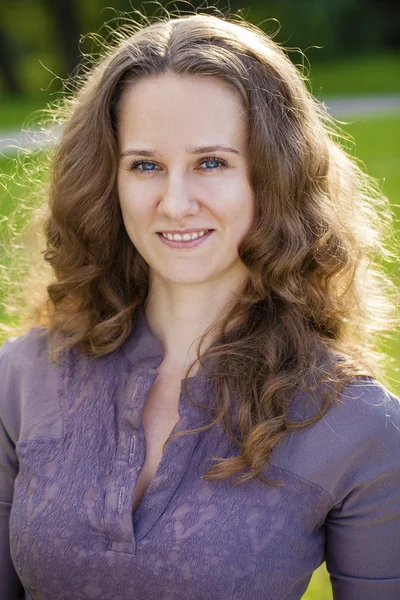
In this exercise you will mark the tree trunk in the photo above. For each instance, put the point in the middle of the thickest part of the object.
(66, 20)
(8, 67)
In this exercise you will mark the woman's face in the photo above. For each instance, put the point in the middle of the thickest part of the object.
(183, 167)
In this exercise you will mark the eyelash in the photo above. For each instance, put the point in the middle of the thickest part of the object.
(223, 163)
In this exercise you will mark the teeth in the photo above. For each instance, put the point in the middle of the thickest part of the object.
(177, 237)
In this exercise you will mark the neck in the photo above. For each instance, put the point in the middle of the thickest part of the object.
(179, 314)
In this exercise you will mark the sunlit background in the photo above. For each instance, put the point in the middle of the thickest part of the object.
(350, 53)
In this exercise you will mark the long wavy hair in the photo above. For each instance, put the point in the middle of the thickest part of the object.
(317, 297)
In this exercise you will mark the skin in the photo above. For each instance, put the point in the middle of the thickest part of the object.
(179, 189)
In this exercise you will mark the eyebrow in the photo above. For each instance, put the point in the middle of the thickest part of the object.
(200, 150)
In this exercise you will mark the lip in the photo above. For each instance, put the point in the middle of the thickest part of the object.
(182, 231)
(185, 245)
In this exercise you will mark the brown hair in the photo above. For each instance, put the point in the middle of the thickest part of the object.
(317, 296)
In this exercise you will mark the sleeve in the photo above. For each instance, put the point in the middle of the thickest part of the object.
(10, 585)
(363, 528)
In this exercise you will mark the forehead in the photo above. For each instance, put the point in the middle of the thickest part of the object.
(189, 109)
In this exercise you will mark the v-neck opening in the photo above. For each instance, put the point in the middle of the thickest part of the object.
(124, 526)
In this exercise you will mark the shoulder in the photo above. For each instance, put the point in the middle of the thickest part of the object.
(29, 384)
(366, 408)
(24, 358)
(356, 441)
(21, 350)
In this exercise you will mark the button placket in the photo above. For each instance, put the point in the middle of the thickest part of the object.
(129, 458)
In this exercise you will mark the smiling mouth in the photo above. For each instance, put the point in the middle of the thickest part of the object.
(179, 242)
(185, 237)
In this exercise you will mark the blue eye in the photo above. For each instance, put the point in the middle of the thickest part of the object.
(218, 163)
(138, 163)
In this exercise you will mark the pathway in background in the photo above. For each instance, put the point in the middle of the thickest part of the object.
(360, 106)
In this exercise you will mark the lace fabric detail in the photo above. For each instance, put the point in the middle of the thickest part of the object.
(211, 542)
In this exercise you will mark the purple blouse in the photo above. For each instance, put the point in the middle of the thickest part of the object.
(72, 445)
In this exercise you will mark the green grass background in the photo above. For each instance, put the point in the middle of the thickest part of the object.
(356, 76)
(377, 144)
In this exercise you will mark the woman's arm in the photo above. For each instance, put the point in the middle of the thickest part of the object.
(10, 585)
(363, 529)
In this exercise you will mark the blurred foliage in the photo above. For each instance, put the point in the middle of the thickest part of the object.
(40, 40)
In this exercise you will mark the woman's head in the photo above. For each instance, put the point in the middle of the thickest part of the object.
(231, 81)
(201, 81)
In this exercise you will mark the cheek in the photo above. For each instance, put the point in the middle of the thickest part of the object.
(249, 205)
(123, 196)
(132, 206)
(242, 208)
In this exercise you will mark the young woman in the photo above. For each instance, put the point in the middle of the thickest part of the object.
(200, 214)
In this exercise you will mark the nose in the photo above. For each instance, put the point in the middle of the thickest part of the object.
(176, 200)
